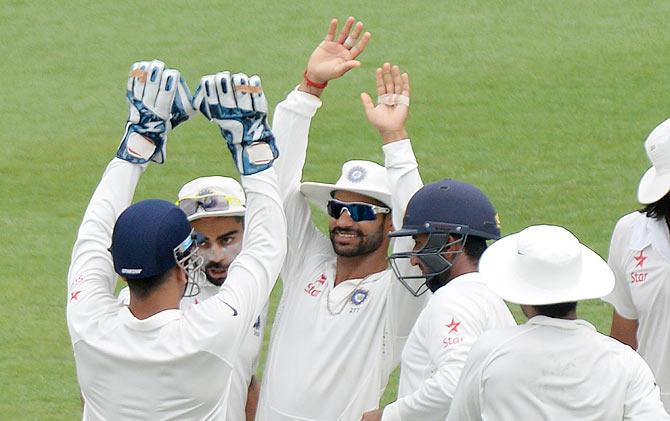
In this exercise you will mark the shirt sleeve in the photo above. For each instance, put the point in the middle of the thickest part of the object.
(467, 400)
(91, 276)
(452, 327)
(290, 125)
(405, 180)
(620, 297)
(643, 398)
(252, 274)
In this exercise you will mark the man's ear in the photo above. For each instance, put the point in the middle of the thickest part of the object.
(388, 223)
(180, 274)
(454, 247)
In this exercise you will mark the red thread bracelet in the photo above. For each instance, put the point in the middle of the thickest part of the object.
(314, 84)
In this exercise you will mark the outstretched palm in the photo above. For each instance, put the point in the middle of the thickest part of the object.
(388, 117)
(332, 58)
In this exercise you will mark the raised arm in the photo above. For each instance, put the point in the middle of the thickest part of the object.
(389, 117)
(331, 59)
(237, 104)
(151, 94)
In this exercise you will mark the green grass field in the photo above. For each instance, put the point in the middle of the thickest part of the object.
(543, 104)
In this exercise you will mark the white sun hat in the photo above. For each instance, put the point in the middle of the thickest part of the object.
(212, 196)
(655, 183)
(363, 177)
(545, 264)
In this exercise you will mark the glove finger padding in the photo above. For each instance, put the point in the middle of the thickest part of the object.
(242, 93)
(224, 92)
(238, 106)
(152, 87)
(165, 94)
(182, 107)
(151, 93)
(258, 99)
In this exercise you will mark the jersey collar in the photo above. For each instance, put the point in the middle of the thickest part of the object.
(651, 231)
(560, 323)
(156, 321)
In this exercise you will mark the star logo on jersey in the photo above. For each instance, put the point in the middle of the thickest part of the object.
(322, 279)
(74, 295)
(639, 259)
(453, 326)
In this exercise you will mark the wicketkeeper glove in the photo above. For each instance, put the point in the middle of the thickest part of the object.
(238, 106)
(159, 100)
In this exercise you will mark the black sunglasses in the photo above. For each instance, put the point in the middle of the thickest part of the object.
(358, 211)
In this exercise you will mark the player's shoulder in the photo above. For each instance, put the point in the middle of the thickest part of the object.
(466, 290)
(497, 340)
(626, 223)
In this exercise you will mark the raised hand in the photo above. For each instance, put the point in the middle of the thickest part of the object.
(392, 109)
(237, 104)
(153, 111)
(336, 54)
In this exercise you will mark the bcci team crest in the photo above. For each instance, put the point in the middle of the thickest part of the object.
(357, 174)
(359, 296)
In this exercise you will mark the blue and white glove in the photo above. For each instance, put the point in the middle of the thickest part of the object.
(158, 101)
(238, 106)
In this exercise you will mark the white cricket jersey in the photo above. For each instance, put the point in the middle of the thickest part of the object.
(456, 315)
(332, 349)
(246, 360)
(639, 256)
(176, 364)
(554, 369)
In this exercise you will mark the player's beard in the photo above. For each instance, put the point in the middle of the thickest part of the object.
(216, 280)
(366, 244)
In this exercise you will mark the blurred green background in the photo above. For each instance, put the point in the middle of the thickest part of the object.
(542, 104)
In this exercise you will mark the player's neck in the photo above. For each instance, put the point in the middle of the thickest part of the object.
(357, 267)
(462, 264)
(159, 300)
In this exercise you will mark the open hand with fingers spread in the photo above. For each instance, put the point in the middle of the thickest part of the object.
(336, 54)
(390, 113)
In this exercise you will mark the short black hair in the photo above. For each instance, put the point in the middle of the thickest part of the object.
(557, 311)
(660, 209)
(143, 287)
(474, 247)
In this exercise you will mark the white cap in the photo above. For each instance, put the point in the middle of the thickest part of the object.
(655, 183)
(362, 177)
(545, 264)
(215, 185)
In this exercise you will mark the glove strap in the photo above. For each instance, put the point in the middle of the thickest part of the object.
(312, 83)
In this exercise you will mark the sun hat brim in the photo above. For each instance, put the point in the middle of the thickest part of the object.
(501, 266)
(653, 186)
(320, 193)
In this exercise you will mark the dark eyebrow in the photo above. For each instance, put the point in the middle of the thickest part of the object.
(227, 234)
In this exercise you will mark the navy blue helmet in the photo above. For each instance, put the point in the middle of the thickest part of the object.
(440, 209)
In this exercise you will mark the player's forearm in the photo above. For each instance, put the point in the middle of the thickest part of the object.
(404, 180)
(111, 197)
(255, 270)
(404, 177)
(431, 402)
(91, 277)
(253, 394)
(624, 330)
(290, 125)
